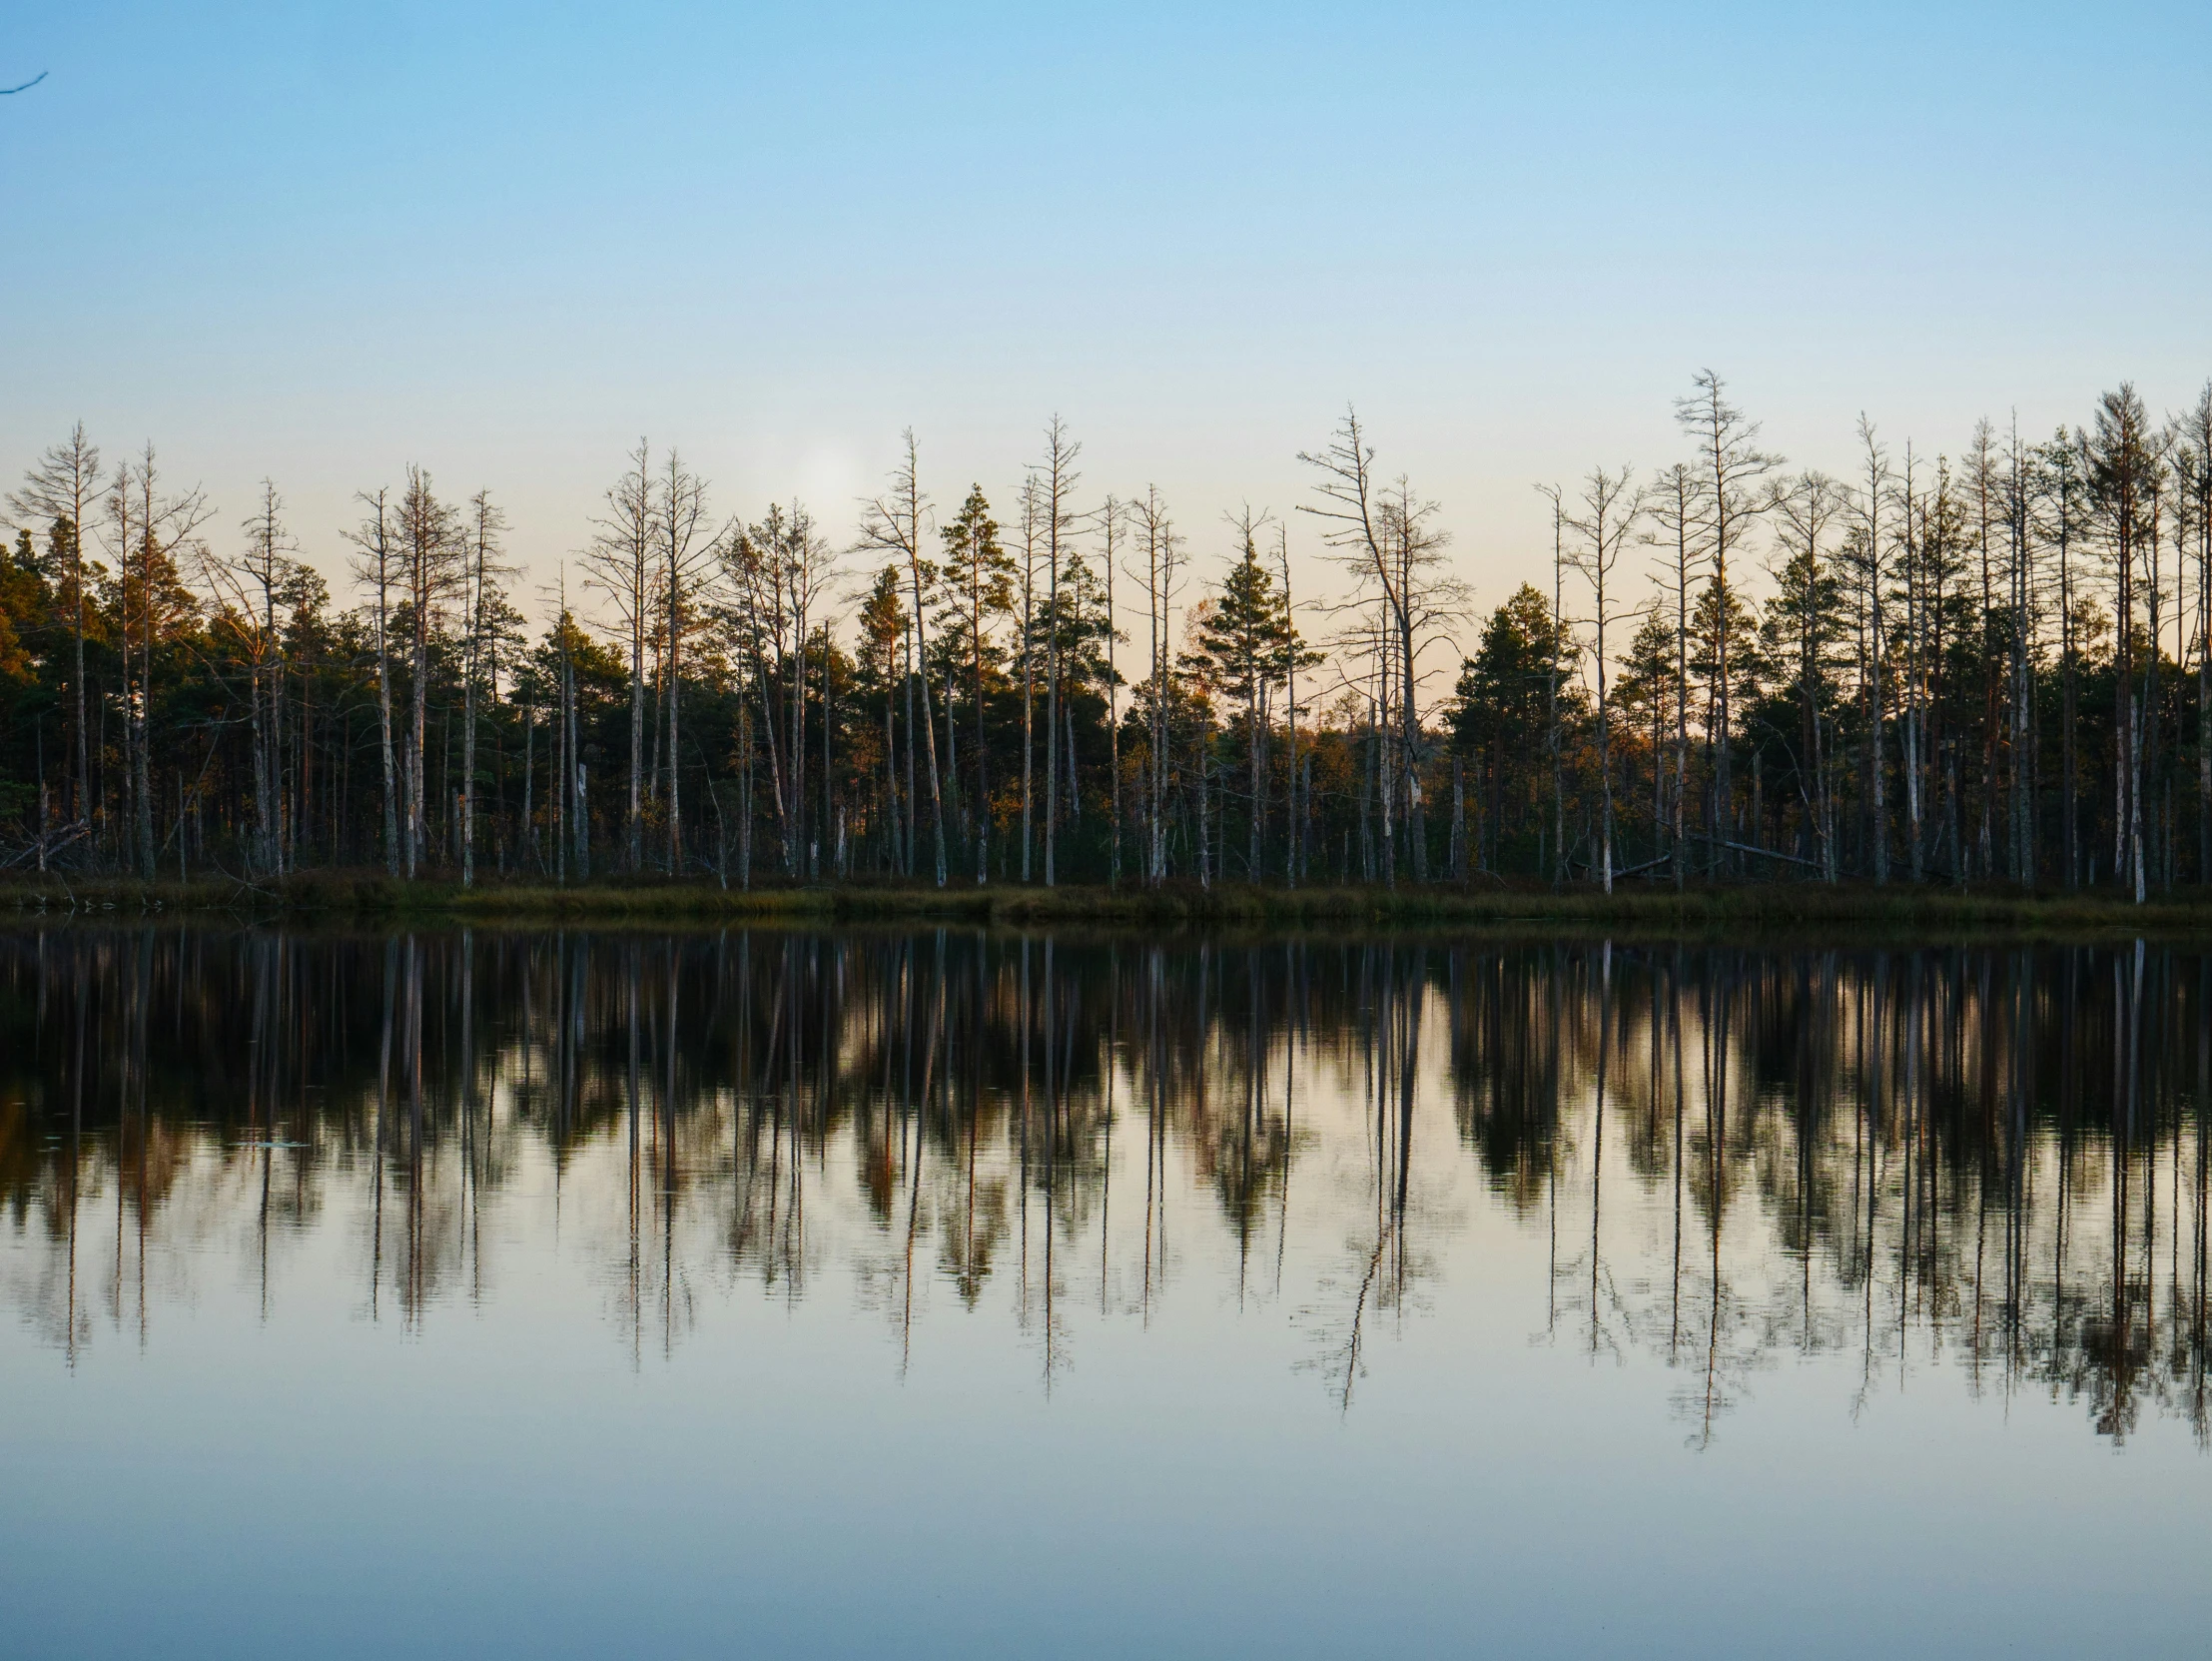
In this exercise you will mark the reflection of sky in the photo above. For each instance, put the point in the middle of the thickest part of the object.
(541, 1460)
(317, 242)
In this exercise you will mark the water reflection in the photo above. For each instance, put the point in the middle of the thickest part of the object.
(1990, 1163)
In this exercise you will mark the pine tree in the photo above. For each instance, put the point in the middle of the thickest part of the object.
(1246, 640)
(1499, 707)
(882, 625)
(1646, 684)
(977, 577)
(1802, 630)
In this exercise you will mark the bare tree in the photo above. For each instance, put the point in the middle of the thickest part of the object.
(1111, 518)
(1730, 468)
(2065, 484)
(2126, 468)
(152, 527)
(1422, 605)
(1293, 822)
(1984, 483)
(1384, 536)
(59, 487)
(433, 556)
(252, 582)
(783, 569)
(1610, 509)
(686, 552)
(1162, 550)
(2196, 518)
(576, 781)
(1873, 589)
(1911, 747)
(893, 523)
(378, 555)
(621, 563)
(1674, 507)
(2021, 653)
(1552, 669)
(485, 522)
(1031, 516)
(1057, 479)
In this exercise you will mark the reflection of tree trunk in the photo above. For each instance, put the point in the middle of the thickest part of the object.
(1912, 1222)
(1154, 1118)
(1292, 1005)
(473, 1150)
(1408, 1065)
(1674, 1027)
(1597, 1154)
(630, 970)
(383, 1093)
(1052, 1109)
(76, 1153)
(918, 1107)
(145, 1122)
(2201, 1191)
(1714, 1044)
(1021, 1014)
(1249, 1130)
(259, 1129)
(411, 1059)
(1359, 1316)
(1112, 1062)
(668, 1185)
(975, 1100)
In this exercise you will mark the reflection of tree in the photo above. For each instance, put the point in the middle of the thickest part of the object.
(1994, 1158)
(1512, 1044)
(1382, 1268)
(1881, 1150)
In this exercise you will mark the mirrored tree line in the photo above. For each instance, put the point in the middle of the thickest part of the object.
(1995, 1158)
(1988, 666)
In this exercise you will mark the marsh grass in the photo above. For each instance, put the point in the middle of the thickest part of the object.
(1705, 911)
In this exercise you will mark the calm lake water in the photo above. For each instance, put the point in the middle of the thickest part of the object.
(960, 1293)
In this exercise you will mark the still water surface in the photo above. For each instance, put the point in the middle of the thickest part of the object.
(959, 1294)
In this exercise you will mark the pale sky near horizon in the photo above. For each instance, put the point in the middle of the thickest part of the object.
(319, 241)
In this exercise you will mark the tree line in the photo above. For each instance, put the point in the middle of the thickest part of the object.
(1984, 669)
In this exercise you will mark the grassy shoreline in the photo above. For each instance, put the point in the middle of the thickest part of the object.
(364, 897)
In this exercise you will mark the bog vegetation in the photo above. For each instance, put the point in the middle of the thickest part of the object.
(1972, 668)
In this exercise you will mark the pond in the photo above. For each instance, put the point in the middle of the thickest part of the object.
(963, 1293)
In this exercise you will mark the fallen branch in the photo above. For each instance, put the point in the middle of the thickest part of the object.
(1763, 853)
(51, 842)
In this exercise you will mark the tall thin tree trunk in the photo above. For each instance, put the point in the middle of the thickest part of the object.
(1293, 823)
(529, 782)
(1114, 712)
(913, 821)
(745, 801)
(469, 667)
(1551, 697)
(1029, 666)
(384, 710)
(675, 701)
(1051, 692)
(1459, 821)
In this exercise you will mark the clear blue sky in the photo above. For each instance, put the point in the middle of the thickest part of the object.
(319, 242)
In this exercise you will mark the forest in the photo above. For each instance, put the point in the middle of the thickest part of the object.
(1987, 668)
